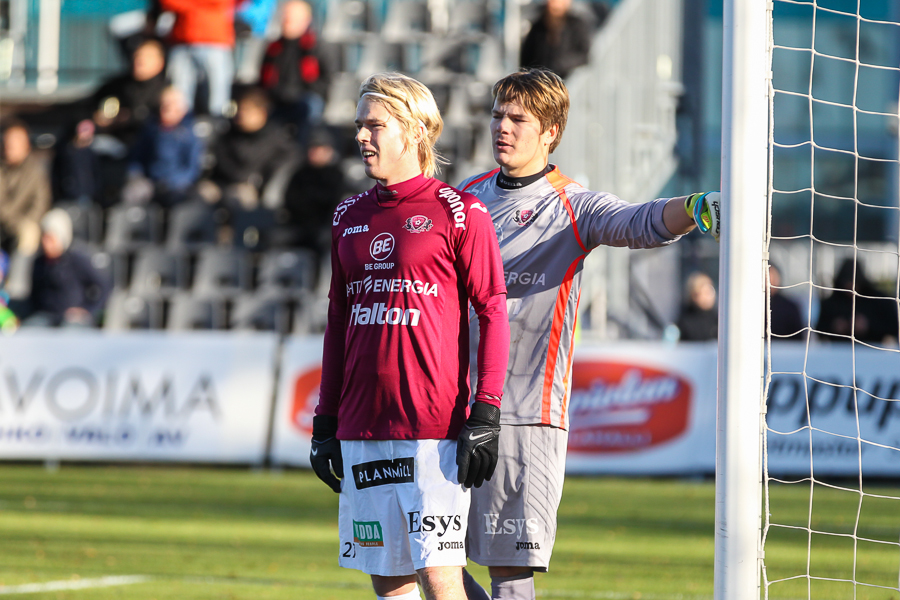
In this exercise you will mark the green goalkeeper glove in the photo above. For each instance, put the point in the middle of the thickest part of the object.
(705, 209)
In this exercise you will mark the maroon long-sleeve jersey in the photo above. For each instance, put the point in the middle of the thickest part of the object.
(406, 260)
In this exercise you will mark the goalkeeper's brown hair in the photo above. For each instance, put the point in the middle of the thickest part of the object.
(539, 91)
(411, 103)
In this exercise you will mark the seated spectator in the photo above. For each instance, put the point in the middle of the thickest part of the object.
(202, 43)
(166, 160)
(786, 321)
(66, 289)
(559, 39)
(294, 72)
(699, 318)
(868, 315)
(314, 191)
(124, 103)
(248, 155)
(8, 320)
(24, 191)
(76, 167)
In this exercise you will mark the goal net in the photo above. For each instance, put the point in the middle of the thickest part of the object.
(831, 462)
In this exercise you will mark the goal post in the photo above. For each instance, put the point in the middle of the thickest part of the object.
(740, 374)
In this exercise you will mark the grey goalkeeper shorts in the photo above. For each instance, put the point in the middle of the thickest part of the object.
(512, 519)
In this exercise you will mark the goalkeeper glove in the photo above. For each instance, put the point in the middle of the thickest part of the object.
(326, 451)
(705, 210)
(478, 445)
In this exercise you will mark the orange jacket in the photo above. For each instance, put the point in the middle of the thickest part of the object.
(202, 21)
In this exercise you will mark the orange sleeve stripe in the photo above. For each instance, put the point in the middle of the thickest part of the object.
(559, 182)
(559, 319)
(480, 179)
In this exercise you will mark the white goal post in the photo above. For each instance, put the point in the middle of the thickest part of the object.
(745, 109)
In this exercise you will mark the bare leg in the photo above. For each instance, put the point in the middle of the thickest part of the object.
(442, 583)
(393, 586)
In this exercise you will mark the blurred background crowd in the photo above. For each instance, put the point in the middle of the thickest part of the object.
(194, 189)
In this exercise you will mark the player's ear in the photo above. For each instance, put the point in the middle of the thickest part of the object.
(550, 135)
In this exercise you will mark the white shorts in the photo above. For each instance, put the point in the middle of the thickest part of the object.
(401, 508)
(512, 522)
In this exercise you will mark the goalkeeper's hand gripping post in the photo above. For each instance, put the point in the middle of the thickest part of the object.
(706, 211)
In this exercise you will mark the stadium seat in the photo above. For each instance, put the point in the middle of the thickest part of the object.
(132, 311)
(302, 319)
(189, 312)
(222, 272)
(406, 20)
(113, 266)
(288, 270)
(87, 221)
(191, 226)
(469, 17)
(347, 20)
(343, 92)
(158, 272)
(253, 228)
(266, 310)
(131, 227)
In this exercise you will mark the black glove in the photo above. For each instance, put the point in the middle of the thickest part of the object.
(326, 451)
(478, 445)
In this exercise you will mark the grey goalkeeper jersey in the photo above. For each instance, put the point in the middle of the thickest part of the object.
(545, 230)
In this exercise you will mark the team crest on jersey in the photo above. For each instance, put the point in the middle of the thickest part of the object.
(418, 224)
(524, 217)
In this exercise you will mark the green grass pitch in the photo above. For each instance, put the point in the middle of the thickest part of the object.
(210, 533)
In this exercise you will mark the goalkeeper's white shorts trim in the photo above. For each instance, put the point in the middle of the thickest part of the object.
(512, 522)
(401, 508)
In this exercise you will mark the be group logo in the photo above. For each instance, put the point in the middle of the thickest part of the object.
(618, 407)
(382, 246)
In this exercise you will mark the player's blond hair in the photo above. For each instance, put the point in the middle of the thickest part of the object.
(540, 92)
(411, 103)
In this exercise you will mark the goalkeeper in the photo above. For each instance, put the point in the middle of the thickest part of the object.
(546, 225)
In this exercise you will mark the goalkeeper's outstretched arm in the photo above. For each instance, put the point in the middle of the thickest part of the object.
(684, 213)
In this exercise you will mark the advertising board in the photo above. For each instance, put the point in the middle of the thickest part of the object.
(201, 397)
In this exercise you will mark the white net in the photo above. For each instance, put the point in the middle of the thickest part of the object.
(832, 436)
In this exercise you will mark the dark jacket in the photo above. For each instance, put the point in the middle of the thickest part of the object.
(559, 51)
(697, 324)
(138, 102)
(293, 68)
(253, 157)
(172, 157)
(76, 173)
(69, 281)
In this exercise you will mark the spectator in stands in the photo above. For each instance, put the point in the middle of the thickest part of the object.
(76, 167)
(24, 191)
(251, 20)
(294, 71)
(66, 289)
(166, 160)
(202, 44)
(314, 191)
(867, 315)
(124, 103)
(559, 39)
(785, 314)
(8, 320)
(248, 155)
(699, 318)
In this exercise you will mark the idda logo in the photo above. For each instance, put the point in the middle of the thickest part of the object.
(622, 407)
(306, 398)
